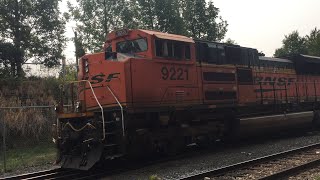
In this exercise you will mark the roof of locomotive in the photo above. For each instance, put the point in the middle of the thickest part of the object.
(168, 36)
(302, 58)
(263, 58)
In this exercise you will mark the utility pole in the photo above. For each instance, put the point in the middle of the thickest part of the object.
(76, 51)
(4, 142)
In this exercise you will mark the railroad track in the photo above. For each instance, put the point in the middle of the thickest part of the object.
(120, 167)
(275, 166)
(49, 174)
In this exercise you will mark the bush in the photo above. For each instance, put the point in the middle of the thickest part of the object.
(29, 124)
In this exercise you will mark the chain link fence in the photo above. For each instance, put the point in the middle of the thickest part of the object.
(27, 113)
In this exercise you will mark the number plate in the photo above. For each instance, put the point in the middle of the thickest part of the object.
(122, 32)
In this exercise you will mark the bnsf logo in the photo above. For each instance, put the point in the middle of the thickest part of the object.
(280, 81)
(101, 78)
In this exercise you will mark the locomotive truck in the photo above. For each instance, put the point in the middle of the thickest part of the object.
(153, 92)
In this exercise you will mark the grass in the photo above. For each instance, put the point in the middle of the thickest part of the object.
(154, 177)
(28, 157)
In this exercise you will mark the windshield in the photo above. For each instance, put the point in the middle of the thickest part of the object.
(132, 46)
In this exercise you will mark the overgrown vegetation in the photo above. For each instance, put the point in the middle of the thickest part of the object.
(31, 156)
(28, 125)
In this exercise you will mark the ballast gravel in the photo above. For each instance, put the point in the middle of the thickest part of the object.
(177, 169)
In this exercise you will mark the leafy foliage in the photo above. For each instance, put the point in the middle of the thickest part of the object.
(313, 42)
(231, 42)
(35, 28)
(200, 20)
(295, 44)
(9, 54)
(96, 18)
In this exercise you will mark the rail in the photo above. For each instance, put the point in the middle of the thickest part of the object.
(49, 174)
(247, 164)
(122, 118)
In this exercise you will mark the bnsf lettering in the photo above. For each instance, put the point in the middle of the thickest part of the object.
(100, 78)
(282, 81)
(97, 79)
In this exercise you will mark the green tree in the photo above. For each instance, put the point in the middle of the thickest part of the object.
(261, 53)
(292, 44)
(96, 18)
(168, 17)
(35, 29)
(201, 20)
(313, 42)
(230, 41)
(145, 11)
(8, 57)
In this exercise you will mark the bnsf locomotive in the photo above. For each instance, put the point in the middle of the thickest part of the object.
(156, 92)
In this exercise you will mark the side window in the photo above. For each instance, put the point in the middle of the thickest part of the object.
(172, 49)
(159, 48)
(233, 55)
(221, 54)
(109, 49)
(132, 46)
(187, 52)
(212, 53)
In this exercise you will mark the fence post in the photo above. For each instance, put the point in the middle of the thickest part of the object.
(3, 142)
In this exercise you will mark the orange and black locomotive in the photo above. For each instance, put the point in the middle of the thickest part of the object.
(152, 92)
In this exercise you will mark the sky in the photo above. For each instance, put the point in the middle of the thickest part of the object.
(263, 24)
(260, 24)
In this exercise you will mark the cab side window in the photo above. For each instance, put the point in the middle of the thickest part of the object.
(212, 53)
(172, 49)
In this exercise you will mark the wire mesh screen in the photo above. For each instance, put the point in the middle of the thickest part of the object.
(27, 114)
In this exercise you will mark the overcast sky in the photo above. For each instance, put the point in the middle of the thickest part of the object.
(260, 24)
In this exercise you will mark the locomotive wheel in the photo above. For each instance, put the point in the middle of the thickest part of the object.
(203, 141)
(232, 130)
(140, 146)
(316, 119)
(174, 146)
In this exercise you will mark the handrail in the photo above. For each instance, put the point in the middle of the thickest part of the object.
(102, 114)
(122, 119)
(304, 87)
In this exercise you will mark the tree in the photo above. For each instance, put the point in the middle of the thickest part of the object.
(8, 57)
(313, 42)
(201, 20)
(292, 44)
(96, 18)
(168, 17)
(261, 53)
(230, 41)
(145, 11)
(35, 28)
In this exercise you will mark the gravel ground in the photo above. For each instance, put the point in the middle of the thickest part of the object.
(312, 174)
(207, 161)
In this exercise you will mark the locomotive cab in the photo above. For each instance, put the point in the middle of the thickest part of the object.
(132, 73)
